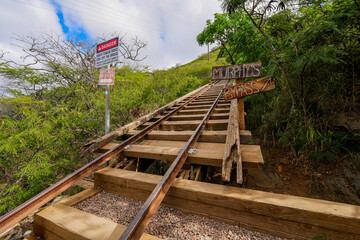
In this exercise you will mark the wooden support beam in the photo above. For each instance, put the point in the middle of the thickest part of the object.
(131, 165)
(190, 125)
(206, 107)
(188, 112)
(205, 102)
(60, 221)
(277, 214)
(206, 136)
(231, 152)
(251, 154)
(241, 109)
(216, 116)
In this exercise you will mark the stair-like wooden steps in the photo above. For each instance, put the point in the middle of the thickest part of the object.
(204, 106)
(188, 112)
(190, 125)
(206, 102)
(251, 154)
(215, 116)
(277, 214)
(206, 136)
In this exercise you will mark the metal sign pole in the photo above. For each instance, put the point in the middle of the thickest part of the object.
(107, 111)
(107, 108)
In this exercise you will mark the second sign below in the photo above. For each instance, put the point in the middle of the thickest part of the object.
(249, 88)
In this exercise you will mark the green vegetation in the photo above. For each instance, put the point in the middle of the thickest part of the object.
(41, 132)
(313, 51)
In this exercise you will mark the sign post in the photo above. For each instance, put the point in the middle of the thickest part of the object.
(241, 108)
(107, 107)
(106, 54)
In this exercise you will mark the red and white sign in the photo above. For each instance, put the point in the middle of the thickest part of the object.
(107, 76)
(107, 52)
(107, 45)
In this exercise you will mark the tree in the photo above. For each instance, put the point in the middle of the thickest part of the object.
(258, 11)
(236, 35)
(52, 60)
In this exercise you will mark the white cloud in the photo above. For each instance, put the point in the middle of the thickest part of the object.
(169, 26)
(22, 17)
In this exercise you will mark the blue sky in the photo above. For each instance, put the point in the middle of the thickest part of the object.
(78, 32)
(169, 27)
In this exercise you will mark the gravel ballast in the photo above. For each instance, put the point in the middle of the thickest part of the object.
(167, 223)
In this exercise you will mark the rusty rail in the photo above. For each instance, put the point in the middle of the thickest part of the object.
(17, 214)
(137, 226)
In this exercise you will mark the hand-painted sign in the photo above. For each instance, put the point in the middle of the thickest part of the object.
(107, 76)
(247, 70)
(107, 52)
(249, 88)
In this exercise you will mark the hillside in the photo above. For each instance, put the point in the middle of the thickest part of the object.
(42, 131)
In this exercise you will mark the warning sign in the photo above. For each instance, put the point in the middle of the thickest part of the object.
(107, 76)
(107, 52)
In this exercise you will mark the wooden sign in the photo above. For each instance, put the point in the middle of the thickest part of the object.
(247, 70)
(249, 88)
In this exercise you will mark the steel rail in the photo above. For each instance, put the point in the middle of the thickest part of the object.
(137, 226)
(17, 214)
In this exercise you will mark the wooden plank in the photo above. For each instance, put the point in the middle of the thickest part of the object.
(72, 224)
(278, 214)
(197, 173)
(230, 143)
(238, 155)
(218, 147)
(247, 70)
(216, 116)
(99, 142)
(202, 102)
(251, 154)
(249, 88)
(131, 165)
(190, 125)
(241, 109)
(256, 222)
(204, 107)
(206, 136)
(188, 112)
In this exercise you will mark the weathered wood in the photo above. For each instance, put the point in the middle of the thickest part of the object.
(247, 70)
(97, 143)
(277, 214)
(238, 155)
(70, 223)
(197, 173)
(241, 109)
(207, 102)
(216, 116)
(131, 165)
(230, 143)
(251, 154)
(190, 125)
(249, 88)
(188, 112)
(204, 107)
(206, 136)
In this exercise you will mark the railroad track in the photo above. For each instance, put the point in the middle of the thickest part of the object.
(190, 136)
